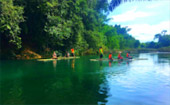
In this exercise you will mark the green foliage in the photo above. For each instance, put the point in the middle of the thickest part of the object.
(10, 18)
(151, 45)
(118, 38)
(137, 44)
(94, 39)
(61, 25)
(113, 42)
(163, 40)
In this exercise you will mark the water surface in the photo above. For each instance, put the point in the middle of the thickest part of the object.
(81, 81)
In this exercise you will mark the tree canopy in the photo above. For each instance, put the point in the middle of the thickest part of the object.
(61, 25)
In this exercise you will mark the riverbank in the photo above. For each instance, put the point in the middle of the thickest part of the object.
(164, 49)
(30, 54)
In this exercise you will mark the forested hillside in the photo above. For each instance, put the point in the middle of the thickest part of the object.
(50, 25)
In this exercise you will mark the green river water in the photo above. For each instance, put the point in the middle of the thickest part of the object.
(81, 81)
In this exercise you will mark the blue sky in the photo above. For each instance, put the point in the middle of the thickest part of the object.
(145, 18)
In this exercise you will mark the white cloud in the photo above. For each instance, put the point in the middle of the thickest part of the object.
(146, 32)
(145, 18)
(129, 16)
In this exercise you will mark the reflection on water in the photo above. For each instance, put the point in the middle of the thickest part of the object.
(110, 63)
(73, 64)
(80, 81)
(54, 63)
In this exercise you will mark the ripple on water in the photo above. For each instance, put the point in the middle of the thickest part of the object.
(141, 82)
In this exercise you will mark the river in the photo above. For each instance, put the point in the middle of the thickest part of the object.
(81, 81)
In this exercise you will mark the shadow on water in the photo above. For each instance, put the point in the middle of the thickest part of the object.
(56, 82)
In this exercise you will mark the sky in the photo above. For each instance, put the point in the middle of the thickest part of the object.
(145, 18)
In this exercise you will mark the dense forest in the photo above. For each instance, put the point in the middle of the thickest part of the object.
(59, 25)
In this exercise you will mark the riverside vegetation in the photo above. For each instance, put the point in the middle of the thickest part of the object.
(35, 28)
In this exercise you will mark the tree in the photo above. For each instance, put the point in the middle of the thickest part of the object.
(158, 36)
(10, 18)
(163, 39)
(137, 43)
(163, 32)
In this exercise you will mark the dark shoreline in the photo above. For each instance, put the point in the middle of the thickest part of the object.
(33, 55)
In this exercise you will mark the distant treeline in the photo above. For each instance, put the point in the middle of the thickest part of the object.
(163, 41)
(60, 25)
